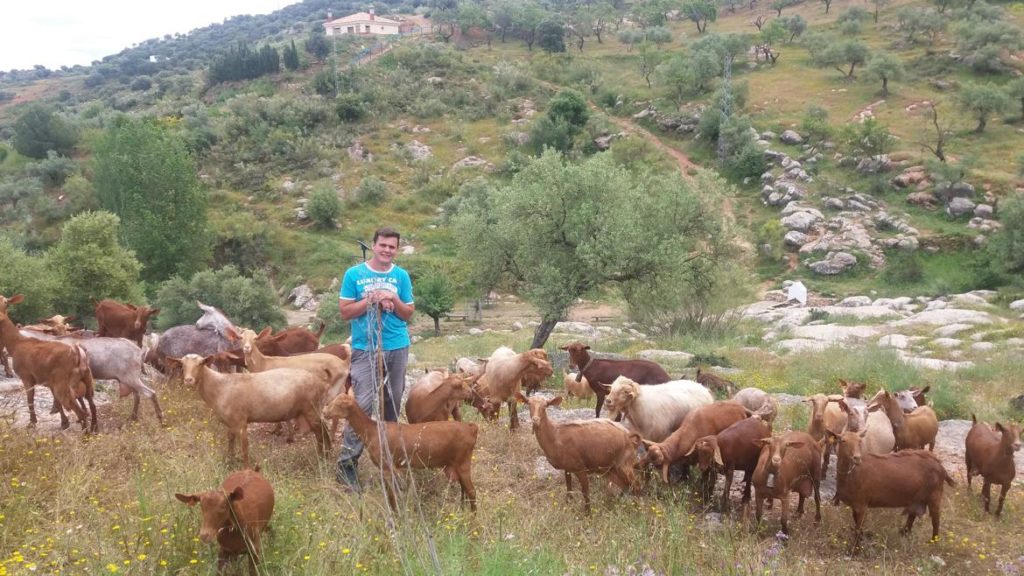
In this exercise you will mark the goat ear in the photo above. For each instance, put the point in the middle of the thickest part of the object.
(718, 457)
(647, 443)
(586, 347)
(566, 347)
(999, 427)
(265, 332)
(556, 401)
(863, 433)
(762, 442)
(172, 361)
(874, 407)
(210, 360)
(16, 299)
(835, 397)
(190, 499)
(795, 444)
(924, 390)
(232, 334)
(154, 312)
(70, 318)
(521, 398)
(236, 494)
(692, 450)
(843, 406)
(831, 436)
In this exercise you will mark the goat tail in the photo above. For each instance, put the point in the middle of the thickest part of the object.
(947, 478)
(974, 418)
(323, 326)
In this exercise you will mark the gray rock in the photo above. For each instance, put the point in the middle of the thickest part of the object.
(943, 317)
(472, 162)
(287, 186)
(517, 326)
(947, 342)
(952, 329)
(802, 345)
(936, 364)
(358, 153)
(518, 138)
(475, 332)
(894, 341)
(301, 215)
(983, 347)
(983, 211)
(834, 263)
(874, 164)
(834, 333)
(301, 295)
(418, 150)
(795, 239)
(768, 135)
(960, 206)
(834, 204)
(576, 328)
(801, 221)
(791, 137)
(855, 301)
(1017, 305)
(666, 355)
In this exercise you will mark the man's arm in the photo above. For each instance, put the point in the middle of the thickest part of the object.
(352, 308)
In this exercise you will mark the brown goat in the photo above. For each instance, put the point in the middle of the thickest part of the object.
(584, 447)
(790, 462)
(715, 383)
(992, 457)
(235, 515)
(504, 373)
(447, 445)
(118, 320)
(62, 368)
(290, 341)
(437, 395)
(600, 373)
(700, 422)
(912, 430)
(911, 480)
(732, 449)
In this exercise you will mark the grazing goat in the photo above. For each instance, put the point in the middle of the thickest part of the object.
(274, 396)
(235, 515)
(657, 410)
(328, 367)
(437, 395)
(992, 457)
(732, 449)
(504, 373)
(118, 320)
(790, 462)
(914, 430)
(468, 366)
(824, 420)
(576, 386)
(911, 398)
(911, 480)
(600, 372)
(447, 445)
(290, 341)
(715, 383)
(113, 359)
(61, 368)
(584, 447)
(758, 401)
(700, 422)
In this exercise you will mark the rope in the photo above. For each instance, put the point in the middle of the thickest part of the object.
(378, 379)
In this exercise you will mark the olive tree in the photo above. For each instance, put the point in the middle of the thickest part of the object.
(982, 101)
(560, 230)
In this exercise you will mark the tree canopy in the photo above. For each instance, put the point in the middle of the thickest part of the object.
(39, 130)
(145, 175)
(560, 230)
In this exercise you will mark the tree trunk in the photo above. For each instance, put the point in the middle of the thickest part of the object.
(827, 6)
(437, 325)
(540, 335)
(885, 86)
(981, 124)
(1022, 108)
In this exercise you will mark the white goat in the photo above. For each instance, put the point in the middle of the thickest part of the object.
(656, 410)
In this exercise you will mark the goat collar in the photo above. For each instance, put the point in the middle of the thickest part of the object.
(579, 375)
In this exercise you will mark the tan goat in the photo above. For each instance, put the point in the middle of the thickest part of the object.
(578, 388)
(447, 445)
(277, 395)
(584, 447)
(504, 373)
(992, 457)
(790, 462)
(437, 395)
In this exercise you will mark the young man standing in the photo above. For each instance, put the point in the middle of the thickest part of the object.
(376, 296)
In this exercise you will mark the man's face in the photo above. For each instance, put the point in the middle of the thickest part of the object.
(384, 249)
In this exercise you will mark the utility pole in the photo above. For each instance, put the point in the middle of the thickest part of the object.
(334, 58)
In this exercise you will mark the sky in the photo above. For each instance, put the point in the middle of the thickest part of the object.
(58, 33)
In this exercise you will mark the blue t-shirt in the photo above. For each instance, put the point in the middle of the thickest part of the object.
(361, 279)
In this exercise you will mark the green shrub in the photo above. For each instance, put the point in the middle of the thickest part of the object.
(324, 206)
(548, 133)
(371, 190)
(28, 275)
(53, 170)
(349, 108)
(1007, 245)
(336, 329)
(248, 302)
(39, 130)
(240, 239)
(814, 123)
(903, 268)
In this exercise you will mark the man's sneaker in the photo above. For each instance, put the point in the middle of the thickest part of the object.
(348, 476)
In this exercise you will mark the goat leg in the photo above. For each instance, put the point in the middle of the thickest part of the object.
(1002, 496)
(986, 492)
(726, 489)
(911, 516)
(785, 511)
(568, 486)
(858, 524)
(585, 488)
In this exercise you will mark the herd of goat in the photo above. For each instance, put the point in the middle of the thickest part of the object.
(883, 444)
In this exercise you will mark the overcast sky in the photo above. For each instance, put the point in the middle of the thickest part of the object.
(58, 33)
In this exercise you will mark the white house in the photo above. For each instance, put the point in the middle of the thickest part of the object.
(362, 23)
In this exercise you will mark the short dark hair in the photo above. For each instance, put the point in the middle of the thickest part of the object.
(386, 232)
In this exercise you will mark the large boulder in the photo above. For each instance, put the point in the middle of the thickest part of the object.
(418, 150)
(911, 176)
(802, 221)
(834, 263)
(874, 164)
(791, 137)
(960, 206)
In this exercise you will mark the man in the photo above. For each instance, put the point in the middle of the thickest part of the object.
(375, 290)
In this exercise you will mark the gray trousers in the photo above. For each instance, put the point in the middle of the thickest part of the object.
(364, 378)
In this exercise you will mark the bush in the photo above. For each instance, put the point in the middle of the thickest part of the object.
(241, 240)
(869, 138)
(548, 133)
(28, 275)
(39, 130)
(349, 108)
(141, 84)
(248, 302)
(814, 123)
(1007, 245)
(53, 170)
(336, 329)
(324, 206)
(90, 264)
(903, 268)
(371, 190)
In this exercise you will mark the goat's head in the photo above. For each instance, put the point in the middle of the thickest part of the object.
(577, 353)
(621, 394)
(906, 400)
(142, 316)
(1011, 437)
(919, 395)
(538, 406)
(342, 406)
(777, 447)
(250, 338)
(216, 508)
(5, 302)
(848, 444)
(818, 403)
(191, 366)
(709, 456)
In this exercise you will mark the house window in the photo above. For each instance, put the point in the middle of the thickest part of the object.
(367, 28)
(337, 29)
(351, 30)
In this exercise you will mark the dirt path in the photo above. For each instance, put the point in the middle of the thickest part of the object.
(684, 162)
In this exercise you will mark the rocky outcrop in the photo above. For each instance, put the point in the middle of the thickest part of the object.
(834, 263)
